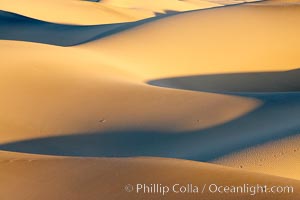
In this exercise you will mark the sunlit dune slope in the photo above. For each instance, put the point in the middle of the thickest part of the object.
(72, 11)
(21, 28)
(52, 90)
(104, 12)
(214, 50)
(161, 6)
(232, 39)
(281, 158)
(79, 179)
(231, 2)
(53, 96)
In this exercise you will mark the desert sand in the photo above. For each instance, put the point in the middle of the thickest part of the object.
(36, 93)
(94, 178)
(242, 39)
(98, 95)
(103, 12)
(272, 158)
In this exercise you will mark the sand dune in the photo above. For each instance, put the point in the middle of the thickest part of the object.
(18, 27)
(218, 55)
(216, 85)
(68, 11)
(36, 101)
(77, 179)
(99, 108)
(231, 2)
(281, 2)
(272, 158)
(103, 12)
(161, 6)
(284, 81)
(276, 119)
(225, 40)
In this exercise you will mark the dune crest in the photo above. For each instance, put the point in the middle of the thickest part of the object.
(36, 90)
(96, 95)
(236, 39)
(103, 12)
(55, 178)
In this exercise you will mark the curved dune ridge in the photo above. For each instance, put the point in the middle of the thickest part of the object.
(49, 80)
(218, 85)
(18, 27)
(262, 82)
(103, 12)
(75, 178)
(239, 34)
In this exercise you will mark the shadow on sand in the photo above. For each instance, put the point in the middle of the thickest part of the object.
(21, 28)
(277, 118)
(260, 82)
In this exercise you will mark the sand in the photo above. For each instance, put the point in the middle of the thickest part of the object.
(242, 40)
(36, 93)
(271, 158)
(75, 178)
(104, 12)
(98, 95)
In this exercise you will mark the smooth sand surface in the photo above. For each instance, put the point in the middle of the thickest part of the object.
(104, 12)
(160, 6)
(245, 38)
(17, 27)
(272, 158)
(73, 11)
(46, 178)
(51, 90)
(258, 82)
(216, 85)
